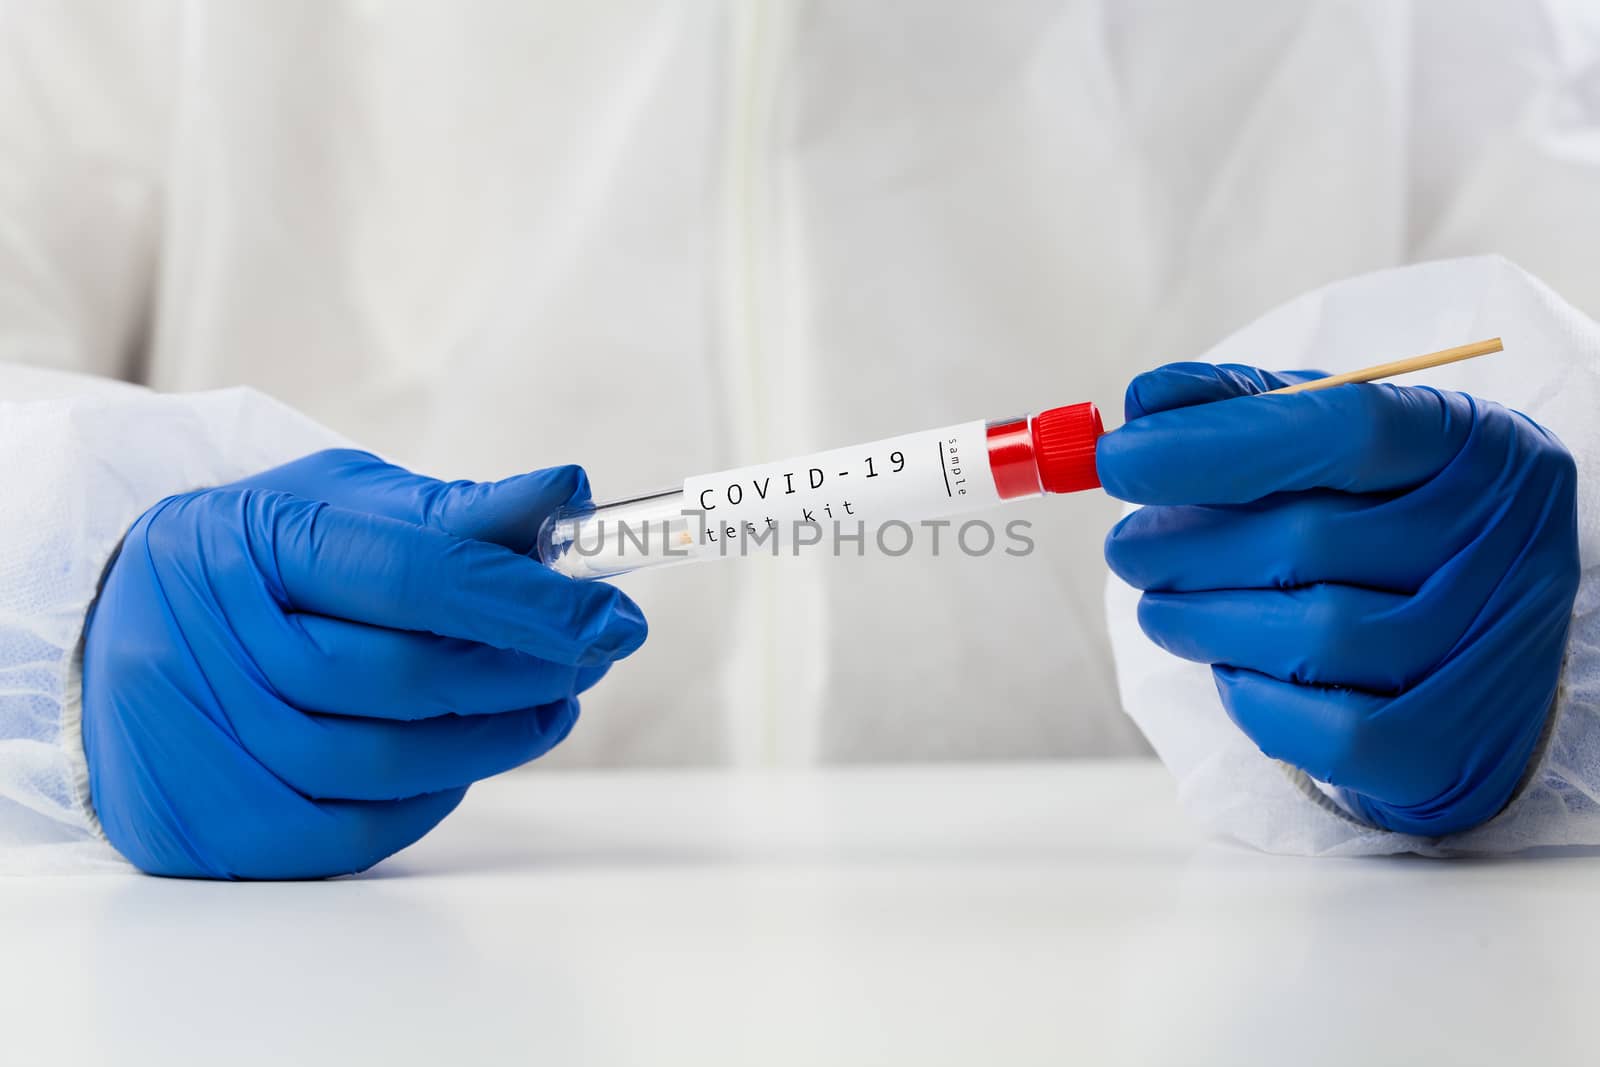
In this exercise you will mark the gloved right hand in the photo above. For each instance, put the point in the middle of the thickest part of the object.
(1381, 577)
(300, 674)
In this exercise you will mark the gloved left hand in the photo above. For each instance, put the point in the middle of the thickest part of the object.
(1382, 577)
(301, 673)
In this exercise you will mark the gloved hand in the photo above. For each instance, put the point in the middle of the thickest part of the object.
(299, 674)
(1381, 577)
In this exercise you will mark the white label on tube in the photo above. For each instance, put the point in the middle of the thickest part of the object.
(907, 479)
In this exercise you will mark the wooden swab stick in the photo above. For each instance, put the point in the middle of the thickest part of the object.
(1399, 366)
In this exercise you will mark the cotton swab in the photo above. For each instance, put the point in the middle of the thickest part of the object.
(1399, 366)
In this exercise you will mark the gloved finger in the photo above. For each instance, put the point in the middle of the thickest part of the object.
(338, 758)
(1463, 520)
(1181, 385)
(1376, 540)
(338, 667)
(1287, 539)
(1316, 635)
(1325, 732)
(506, 512)
(1353, 438)
(589, 677)
(312, 839)
(380, 571)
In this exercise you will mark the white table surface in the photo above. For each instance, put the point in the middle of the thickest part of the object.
(1023, 914)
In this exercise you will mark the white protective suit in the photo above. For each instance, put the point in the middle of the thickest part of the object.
(666, 238)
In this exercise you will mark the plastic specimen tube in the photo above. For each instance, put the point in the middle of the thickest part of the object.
(793, 502)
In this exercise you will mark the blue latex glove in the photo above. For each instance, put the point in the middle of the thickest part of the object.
(299, 674)
(1381, 577)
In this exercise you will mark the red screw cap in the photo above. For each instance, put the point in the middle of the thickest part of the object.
(1063, 446)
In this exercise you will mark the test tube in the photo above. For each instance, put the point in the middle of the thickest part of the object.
(794, 503)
